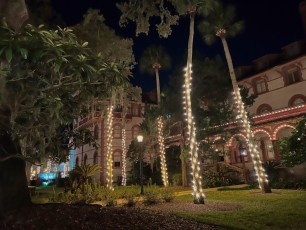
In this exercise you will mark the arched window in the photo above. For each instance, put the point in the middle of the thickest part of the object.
(263, 108)
(117, 159)
(85, 159)
(135, 131)
(96, 132)
(117, 131)
(296, 100)
(95, 158)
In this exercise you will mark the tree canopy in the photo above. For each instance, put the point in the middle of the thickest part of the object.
(46, 78)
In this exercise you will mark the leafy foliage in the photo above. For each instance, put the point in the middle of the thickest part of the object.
(293, 148)
(105, 43)
(47, 76)
(142, 11)
(222, 18)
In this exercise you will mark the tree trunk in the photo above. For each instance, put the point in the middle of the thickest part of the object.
(262, 177)
(197, 184)
(14, 191)
(157, 85)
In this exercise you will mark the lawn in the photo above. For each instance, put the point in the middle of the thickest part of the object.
(281, 209)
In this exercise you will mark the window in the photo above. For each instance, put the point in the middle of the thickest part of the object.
(117, 160)
(96, 132)
(135, 131)
(261, 86)
(293, 76)
(135, 110)
(85, 159)
(95, 158)
(117, 131)
(298, 99)
(264, 108)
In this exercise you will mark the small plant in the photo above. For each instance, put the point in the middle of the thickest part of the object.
(109, 196)
(167, 194)
(151, 195)
(130, 194)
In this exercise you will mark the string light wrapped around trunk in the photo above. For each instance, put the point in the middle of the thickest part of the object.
(123, 157)
(198, 194)
(259, 170)
(162, 151)
(109, 148)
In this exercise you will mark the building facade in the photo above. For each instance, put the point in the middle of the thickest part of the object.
(279, 81)
(96, 122)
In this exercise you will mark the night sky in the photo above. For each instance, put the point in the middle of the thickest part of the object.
(270, 25)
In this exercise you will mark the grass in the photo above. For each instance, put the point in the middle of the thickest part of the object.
(281, 209)
(44, 193)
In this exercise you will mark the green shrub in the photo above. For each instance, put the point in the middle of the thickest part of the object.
(109, 196)
(167, 194)
(212, 179)
(130, 195)
(177, 179)
(151, 195)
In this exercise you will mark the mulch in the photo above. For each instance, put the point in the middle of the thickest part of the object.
(65, 216)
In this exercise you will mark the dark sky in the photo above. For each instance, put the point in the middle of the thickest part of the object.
(270, 25)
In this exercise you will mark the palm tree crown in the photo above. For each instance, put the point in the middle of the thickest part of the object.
(221, 23)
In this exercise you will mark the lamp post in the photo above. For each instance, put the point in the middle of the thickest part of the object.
(140, 139)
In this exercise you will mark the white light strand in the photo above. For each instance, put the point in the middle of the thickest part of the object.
(123, 157)
(162, 151)
(194, 157)
(259, 170)
(109, 148)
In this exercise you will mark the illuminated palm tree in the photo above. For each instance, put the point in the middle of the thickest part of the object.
(192, 7)
(221, 24)
(154, 58)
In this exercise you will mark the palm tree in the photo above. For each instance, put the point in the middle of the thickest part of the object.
(124, 96)
(152, 60)
(192, 7)
(221, 24)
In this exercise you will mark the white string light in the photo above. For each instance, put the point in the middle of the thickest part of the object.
(109, 148)
(198, 194)
(162, 151)
(123, 157)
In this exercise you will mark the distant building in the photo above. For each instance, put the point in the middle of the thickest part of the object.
(96, 122)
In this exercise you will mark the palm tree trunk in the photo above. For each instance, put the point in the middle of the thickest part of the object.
(262, 176)
(197, 184)
(157, 85)
(109, 147)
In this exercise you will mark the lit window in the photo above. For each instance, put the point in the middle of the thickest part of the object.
(293, 75)
(117, 160)
(117, 132)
